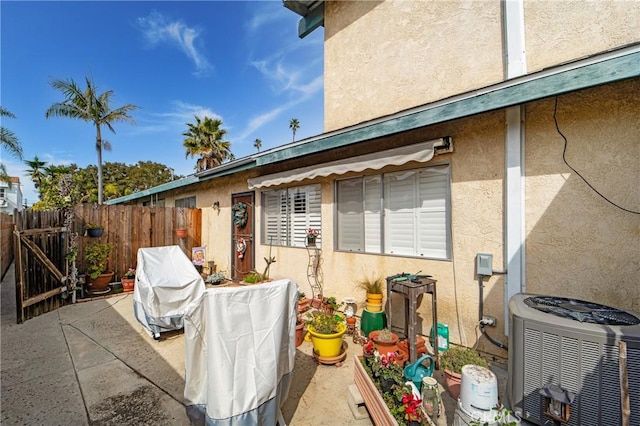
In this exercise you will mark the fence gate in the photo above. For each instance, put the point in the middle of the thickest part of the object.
(40, 245)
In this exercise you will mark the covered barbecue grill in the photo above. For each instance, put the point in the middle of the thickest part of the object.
(166, 283)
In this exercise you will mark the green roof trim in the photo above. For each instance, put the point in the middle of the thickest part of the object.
(155, 190)
(531, 87)
(311, 21)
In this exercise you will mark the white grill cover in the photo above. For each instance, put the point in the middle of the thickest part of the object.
(240, 353)
(166, 282)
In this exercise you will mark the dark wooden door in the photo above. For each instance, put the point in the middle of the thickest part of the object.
(242, 239)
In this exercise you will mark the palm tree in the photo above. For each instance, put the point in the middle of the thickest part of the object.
(10, 142)
(205, 139)
(36, 171)
(257, 144)
(294, 125)
(88, 105)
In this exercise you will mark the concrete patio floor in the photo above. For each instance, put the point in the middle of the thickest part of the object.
(93, 363)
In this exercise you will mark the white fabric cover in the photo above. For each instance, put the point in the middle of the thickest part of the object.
(166, 282)
(240, 353)
(420, 152)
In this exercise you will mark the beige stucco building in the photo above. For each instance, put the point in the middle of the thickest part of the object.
(540, 104)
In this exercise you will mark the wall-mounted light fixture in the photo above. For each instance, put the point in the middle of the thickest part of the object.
(216, 205)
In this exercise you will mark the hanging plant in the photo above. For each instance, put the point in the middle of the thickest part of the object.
(240, 214)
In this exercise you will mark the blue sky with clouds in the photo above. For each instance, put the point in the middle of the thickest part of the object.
(238, 61)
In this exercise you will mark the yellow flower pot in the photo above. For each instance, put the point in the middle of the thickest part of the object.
(327, 345)
(374, 297)
(374, 307)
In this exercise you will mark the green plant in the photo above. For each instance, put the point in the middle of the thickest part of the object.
(458, 356)
(332, 304)
(324, 323)
(253, 278)
(301, 296)
(96, 257)
(372, 285)
(94, 226)
(131, 273)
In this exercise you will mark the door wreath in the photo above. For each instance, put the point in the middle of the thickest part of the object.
(240, 214)
(241, 247)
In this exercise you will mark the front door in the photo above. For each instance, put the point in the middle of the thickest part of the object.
(242, 241)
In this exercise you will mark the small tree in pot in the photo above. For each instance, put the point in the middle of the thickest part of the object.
(96, 258)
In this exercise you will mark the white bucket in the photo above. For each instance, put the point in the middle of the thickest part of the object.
(478, 390)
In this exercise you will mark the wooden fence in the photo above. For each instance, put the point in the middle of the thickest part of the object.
(6, 243)
(41, 246)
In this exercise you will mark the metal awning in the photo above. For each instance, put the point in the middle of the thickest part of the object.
(420, 152)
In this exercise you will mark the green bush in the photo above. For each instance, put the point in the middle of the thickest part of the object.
(458, 356)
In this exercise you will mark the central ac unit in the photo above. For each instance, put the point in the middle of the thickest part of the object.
(572, 344)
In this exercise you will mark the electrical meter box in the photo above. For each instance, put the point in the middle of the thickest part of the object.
(484, 264)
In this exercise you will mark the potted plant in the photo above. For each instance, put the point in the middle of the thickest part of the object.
(96, 258)
(452, 362)
(303, 302)
(128, 280)
(326, 330)
(312, 235)
(373, 286)
(94, 230)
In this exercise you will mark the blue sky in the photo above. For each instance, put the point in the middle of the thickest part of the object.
(238, 61)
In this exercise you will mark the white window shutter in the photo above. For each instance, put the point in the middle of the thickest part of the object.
(400, 218)
(373, 214)
(350, 215)
(433, 226)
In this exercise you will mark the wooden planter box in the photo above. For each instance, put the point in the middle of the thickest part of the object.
(378, 410)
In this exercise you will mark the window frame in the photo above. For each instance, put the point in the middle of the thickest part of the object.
(288, 223)
(384, 213)
(186, 200)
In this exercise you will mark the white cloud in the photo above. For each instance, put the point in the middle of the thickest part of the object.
(262, 119)
(157, 29)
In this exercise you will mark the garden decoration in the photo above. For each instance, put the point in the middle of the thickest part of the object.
(241, 247)
(240, 214)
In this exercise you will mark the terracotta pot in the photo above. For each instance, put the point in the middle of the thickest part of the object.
(128, 284)
(299, 334)
(453, 380)
(101, 282)
(181, 233)
(386, 346)
(303, 305)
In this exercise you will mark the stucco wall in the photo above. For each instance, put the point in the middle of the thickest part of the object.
(579, 245)
(560, 31)
(432, 50)
(382, 57)
(476, 193)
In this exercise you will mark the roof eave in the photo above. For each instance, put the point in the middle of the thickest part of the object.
(589, 72)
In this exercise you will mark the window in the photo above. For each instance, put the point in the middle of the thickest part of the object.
(404, 213)
(288, 213)
(3, 193)
(188, 202)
